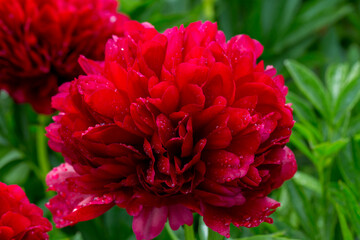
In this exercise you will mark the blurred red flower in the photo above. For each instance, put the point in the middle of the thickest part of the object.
(19, 219)
(41, 41)
(172, 124)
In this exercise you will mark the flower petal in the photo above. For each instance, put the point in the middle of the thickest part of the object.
(150, 222)
(250, 214)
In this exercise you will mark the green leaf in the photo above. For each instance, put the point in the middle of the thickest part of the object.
(287, 15)
(309, 84)
(354, 125)
(57, 234)
(299, 143)
(311, 25)
(352, 204)
(349, 95)
(302, 109)
(302, 207)
(265, 237)
(307, 181)
(10, 156)
(335, 78)
(346, 233)
(349, 168)
(268, 18)
(17, 174)
(202, 229)
(130, 6)
(115, 219)
(345, 198)
(93, 230)
(328, 149)
(306, 133)
(353, 53)
(331, 47)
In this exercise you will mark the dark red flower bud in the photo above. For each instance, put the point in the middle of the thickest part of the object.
(19, 219)
(41, 41)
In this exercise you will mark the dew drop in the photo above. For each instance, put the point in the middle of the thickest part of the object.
(113, 19)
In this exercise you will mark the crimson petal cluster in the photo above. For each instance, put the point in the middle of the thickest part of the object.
(41, 40)
(171, 124)
(19, 219)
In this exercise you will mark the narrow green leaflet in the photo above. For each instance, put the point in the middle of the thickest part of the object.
(309, 84)
(299, 143)
(346, 233)
(353, 53)
(17, 174)
(302, 109)
(335, 78)
(328, 149)
(202, 229)
(115, 219)
(352, 205)
(265, 237)
(348, 167)
(311, 25)
(94, 229)
(307, 181)
(349, 95)
(303, 208)
(354, 125)
(287, 15)
(12, 169)
(349, 205)
(306, 132)
(9, 156)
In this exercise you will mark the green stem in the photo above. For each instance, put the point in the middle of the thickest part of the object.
(214, 235)
(189, 232)
(209, 9)
(170, 232)
(324, 179)
(41, 146)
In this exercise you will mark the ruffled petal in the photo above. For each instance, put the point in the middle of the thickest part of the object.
(69, 206)
(149, 222)
(179, 215)
(250, 214)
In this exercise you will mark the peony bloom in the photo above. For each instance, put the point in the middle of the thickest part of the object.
(19, 219)
(169, 125)
(41, 40)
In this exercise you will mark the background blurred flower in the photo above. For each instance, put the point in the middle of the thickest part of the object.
(41, 40)
(171, 124)
(19, 219)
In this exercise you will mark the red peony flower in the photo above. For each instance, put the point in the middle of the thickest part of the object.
(41, 40)
(19, 219)
(172, 124)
